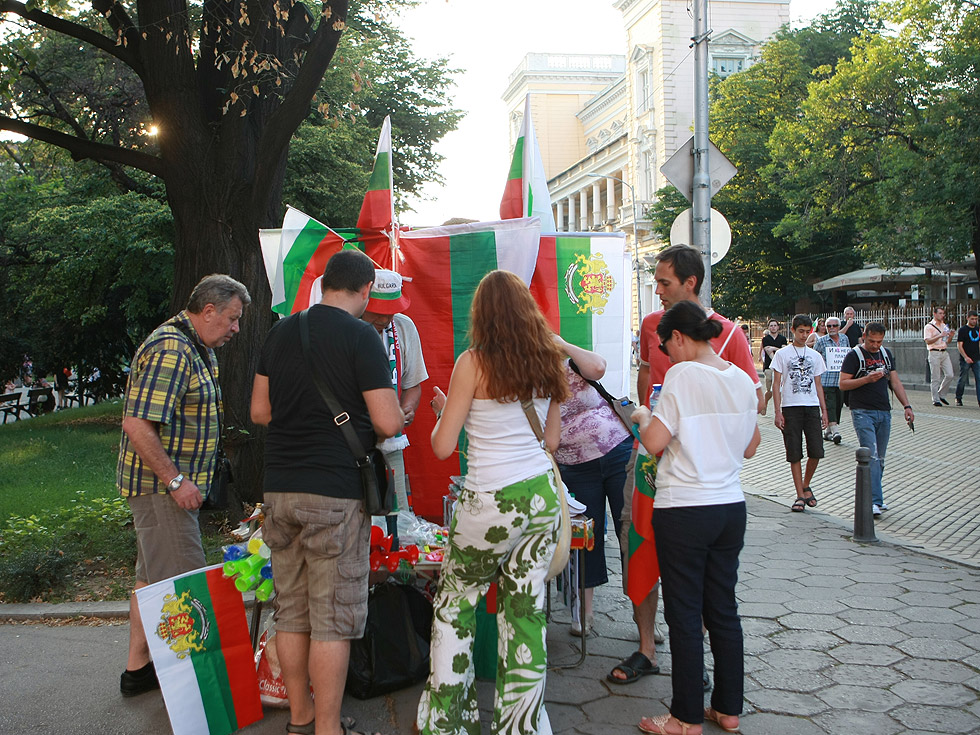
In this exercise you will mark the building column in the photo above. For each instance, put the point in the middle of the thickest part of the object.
(611, 200)
(560, 215)
(571, 214)
(597, 202)
(583, 200)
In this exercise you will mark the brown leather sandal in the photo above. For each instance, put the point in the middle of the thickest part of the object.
(728, 723)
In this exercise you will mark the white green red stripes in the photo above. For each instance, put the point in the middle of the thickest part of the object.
(526, 191)
(378, 208)
(198, 635)
(305, 246)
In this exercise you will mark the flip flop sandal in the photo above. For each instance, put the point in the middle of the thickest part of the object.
(634, 667)
(717, 718)
(658, 725)
(799, 505)
(310, 727)
(811, 499)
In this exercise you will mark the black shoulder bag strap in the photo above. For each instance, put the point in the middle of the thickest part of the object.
(594, 383)
(340, 417)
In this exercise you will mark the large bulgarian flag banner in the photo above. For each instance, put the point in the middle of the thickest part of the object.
(446, 265)
(582, 284)
(195, 625)
(526, 191)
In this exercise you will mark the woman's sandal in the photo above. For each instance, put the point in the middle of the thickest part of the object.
(658, 725)
(810, 499)
(799, 505)
(728, 723)
(346, 723)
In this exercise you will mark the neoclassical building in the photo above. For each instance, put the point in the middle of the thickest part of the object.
(606, 119)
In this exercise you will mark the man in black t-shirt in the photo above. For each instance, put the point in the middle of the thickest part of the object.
(315, 522)
(771, 344)
(851, 329)
(968, 345)
(868, 400)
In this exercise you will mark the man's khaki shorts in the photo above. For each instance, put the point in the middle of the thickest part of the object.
(168, 538)
(320, 564)
(768, 373)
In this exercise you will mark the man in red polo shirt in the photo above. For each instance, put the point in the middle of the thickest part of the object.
(679, 274)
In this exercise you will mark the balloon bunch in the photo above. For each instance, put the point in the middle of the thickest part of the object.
(383, 556)
(250, 566)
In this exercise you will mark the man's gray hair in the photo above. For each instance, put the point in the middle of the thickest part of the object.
(217, 289)
(833, 319)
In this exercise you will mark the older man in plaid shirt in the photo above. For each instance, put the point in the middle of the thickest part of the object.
(167, 455)
(833, 348)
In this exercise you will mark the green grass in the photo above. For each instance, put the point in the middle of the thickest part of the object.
(48, 459)
(64, 532)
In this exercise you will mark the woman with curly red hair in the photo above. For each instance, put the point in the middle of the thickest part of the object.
(505, 525)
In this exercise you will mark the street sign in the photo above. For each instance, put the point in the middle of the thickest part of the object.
(679, 169)
(681, 233)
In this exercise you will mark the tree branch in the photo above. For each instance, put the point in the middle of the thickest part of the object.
(74, 30)
(80, 149)
(296, 104)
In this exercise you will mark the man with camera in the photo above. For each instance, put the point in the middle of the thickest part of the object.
(867, 373)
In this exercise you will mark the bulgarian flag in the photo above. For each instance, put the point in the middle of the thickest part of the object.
(377, 215)
(305, 246)
(195, 625)
(526, 191)
(582, 284)
(643, 568)
(446, 265)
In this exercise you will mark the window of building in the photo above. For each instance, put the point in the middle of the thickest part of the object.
(642, 90)
(725, 65)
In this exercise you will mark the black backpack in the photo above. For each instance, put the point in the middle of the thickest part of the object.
(862, 369)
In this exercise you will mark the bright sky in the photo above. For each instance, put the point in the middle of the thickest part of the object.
(487, 40)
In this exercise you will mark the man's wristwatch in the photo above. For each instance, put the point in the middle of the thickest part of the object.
(175, 483)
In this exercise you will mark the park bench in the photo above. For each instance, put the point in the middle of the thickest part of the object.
(39, 400)
(10, 405)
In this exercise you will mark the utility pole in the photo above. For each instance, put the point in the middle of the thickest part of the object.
(701, 194)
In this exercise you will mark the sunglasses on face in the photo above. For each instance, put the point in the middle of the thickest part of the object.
(663, 344)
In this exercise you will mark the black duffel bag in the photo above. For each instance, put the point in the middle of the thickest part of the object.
(394, 652)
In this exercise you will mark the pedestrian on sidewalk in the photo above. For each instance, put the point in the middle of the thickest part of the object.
(968, 345)
(851, 329)
(833, 348)
(800, 409)
(772, 342)
(936, 335)
(505, 524)
(867, 372)
(705, 425)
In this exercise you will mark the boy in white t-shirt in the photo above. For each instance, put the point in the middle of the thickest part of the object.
(800, 409)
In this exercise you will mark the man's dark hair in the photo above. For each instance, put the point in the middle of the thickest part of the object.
(348, 270)
(874, 328)
(217, 289)
(802, 320)
(685, 261)
(972, 313)
(938, 307)
(772, 319)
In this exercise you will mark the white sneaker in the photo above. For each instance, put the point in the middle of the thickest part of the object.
(883, 506)
(875, 510)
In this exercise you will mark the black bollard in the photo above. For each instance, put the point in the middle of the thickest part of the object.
(864, 522)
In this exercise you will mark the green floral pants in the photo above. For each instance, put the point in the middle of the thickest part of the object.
(508, 535)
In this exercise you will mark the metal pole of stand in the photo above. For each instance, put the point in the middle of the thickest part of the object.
(864, 522)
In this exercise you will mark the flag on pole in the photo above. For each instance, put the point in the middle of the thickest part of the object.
(446, 265)
(305, 246)
(526, 192)
(196, 628)
(582, 284)
(378, 208)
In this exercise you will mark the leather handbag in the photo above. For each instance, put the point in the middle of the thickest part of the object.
(622, 407)
(560, 559)
(377, 480)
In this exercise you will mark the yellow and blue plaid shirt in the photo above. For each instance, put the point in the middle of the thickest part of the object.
(170, 385)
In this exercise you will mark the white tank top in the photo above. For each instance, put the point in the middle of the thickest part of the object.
(502, 447)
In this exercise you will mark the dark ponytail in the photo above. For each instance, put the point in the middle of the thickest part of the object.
(690, 320)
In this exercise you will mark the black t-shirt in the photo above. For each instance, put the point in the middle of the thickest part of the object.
(873, 396)
(305, 451)
(970, 337)
(854, 334)
(769, 341)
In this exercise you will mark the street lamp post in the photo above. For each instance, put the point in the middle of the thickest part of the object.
(636, 240)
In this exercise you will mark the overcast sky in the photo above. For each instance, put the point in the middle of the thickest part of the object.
(487, 40)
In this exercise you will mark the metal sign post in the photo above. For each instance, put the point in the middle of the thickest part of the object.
(701, 195)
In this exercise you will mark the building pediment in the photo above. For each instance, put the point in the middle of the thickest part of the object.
(640, 52)
(731, 37)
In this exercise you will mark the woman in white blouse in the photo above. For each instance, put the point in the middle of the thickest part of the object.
(705, 424)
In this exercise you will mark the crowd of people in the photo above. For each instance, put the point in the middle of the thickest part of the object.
(520, 392)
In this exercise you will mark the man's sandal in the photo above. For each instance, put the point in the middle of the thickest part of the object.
(658, 725)
(799, 505)
(809, 498)
(634, 667)
(728, 723)
(346, 723)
